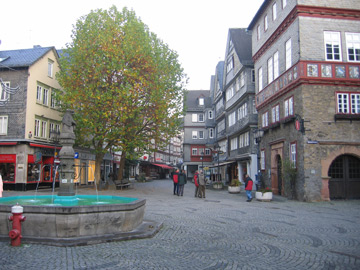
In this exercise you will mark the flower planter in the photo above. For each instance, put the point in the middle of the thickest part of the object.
(217, 186)
(266, 196)
(234, 189)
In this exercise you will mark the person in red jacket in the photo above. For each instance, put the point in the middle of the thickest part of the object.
(248, 187)
(196, 181)
(175, 178)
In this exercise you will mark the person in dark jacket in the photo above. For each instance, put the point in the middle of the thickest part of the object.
(175, 178)
(182, 182)
(248, 187)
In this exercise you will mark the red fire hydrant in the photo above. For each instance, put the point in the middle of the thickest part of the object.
(16, 218)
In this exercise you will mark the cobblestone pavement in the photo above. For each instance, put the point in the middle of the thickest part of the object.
(222, 231)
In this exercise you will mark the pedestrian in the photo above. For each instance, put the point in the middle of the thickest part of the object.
(196, 181)
(248, 187)
(175, 178)
(182, 182)
(201, 184)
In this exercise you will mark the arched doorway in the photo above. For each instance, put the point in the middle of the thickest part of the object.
(345, 178)
(279, 173)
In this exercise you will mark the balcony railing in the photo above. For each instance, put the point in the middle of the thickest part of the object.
(311, 71)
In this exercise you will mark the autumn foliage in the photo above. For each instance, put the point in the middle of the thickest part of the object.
(125, 85)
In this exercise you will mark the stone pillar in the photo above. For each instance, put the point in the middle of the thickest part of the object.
(66, 155)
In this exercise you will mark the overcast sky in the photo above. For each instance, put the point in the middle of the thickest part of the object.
(196, 29)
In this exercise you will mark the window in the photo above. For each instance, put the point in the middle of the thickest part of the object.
(201, 101)
(45, 97)
(50, 68)
(201, 134)
(52, 100)
(201, 117)
(230, 64)
(275, 114)
(288, 54)
(232, 119)
(233, 144)
(260, 79)
(194, 151)
(211, 133)
(270, 70)
(3, 125)
(194, 134)
(276, 65)
(43, 129)
(274, 12)
(241, 141)
(254, 107)
(266, 25)
(242, 79)
(207, 152)
(253, 76)
(242, 111)
(51, 128)
(293, 154)
(348, 103)
(37, 128)
(284, 2)
(258, 32)
(246, 139)
(265, 119)
(332, 46)
(4, 95)
(38, 93)
(194, 117)
(211, 114)
(230, 92)
(219, 104)
(289, 107)
(262, 160)
(353, 46)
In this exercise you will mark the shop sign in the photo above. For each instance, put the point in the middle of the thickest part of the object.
(38, 156)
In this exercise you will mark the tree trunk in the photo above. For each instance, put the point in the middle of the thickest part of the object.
(121, 167)
(98, 160)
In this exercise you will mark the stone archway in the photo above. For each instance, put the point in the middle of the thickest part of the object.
(326, 163)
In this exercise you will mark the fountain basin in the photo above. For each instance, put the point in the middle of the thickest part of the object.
(64, 225)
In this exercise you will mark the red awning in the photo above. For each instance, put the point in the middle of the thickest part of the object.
(163, 166)
(44, 146)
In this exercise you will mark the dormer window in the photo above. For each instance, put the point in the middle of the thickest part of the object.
(201, 101)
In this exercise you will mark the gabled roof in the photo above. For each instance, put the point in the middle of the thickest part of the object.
(220, 73)
(23, 57)
(258, 14)
(241, 39)
(192, 98)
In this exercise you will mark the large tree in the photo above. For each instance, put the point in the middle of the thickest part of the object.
(124, 84)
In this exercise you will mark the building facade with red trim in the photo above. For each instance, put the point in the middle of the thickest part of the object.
(307, 65)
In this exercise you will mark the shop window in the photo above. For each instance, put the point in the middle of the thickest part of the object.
(7, 167)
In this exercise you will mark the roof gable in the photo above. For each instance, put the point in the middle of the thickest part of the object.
(241, 39)
(23, 57)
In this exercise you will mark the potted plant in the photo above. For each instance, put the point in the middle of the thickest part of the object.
(264, 194)
(217, 185)
(234, 186)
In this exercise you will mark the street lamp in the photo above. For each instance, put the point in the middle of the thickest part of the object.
(202, 160)
(217, 147)
(258, 134)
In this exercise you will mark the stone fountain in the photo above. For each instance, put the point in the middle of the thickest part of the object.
(64, 222)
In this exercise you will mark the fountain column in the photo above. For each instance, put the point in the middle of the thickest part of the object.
(66, 155)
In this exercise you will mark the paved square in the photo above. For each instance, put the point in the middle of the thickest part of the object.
(222, 231)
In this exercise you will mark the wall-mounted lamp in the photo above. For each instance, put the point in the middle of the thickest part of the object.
(29, 135)
(258, 134)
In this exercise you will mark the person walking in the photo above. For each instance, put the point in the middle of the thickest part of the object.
(196, 181)
(201, 184)
(248, 187)
(175, 178)
(182, 182)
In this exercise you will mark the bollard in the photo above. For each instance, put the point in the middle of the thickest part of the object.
(16, 218)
